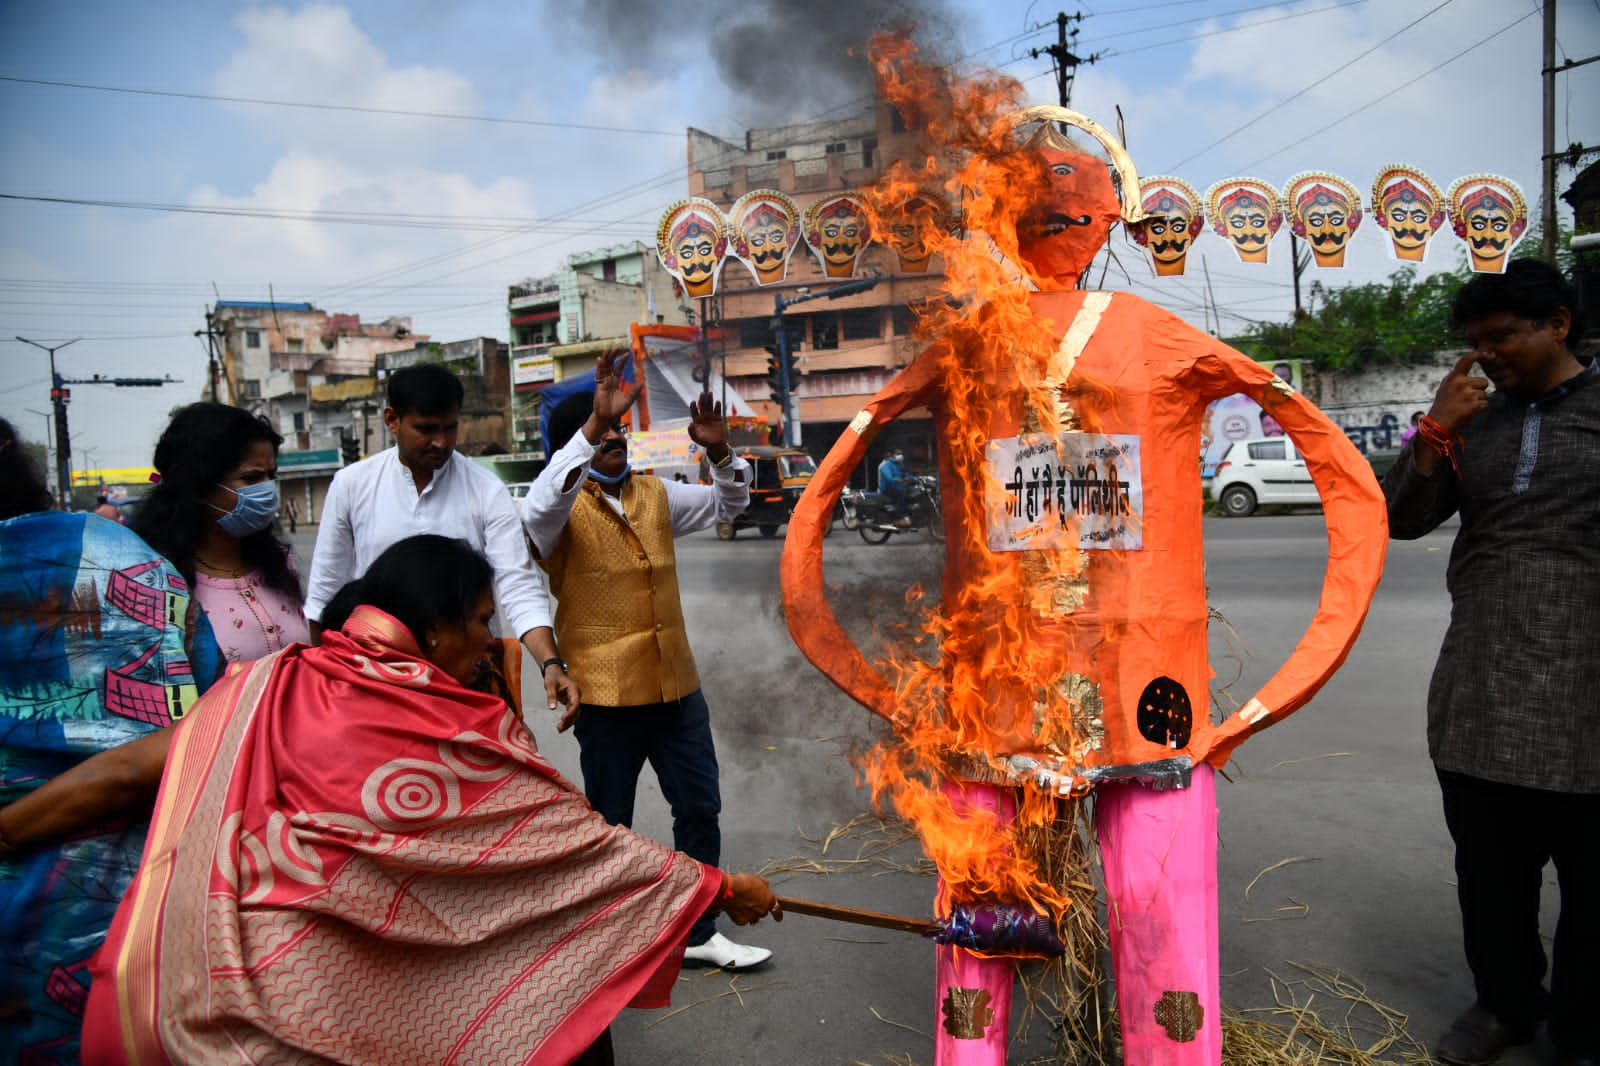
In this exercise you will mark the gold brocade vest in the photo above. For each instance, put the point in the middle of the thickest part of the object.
(619, 623)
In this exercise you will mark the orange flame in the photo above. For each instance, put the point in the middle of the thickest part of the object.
(1003, 681)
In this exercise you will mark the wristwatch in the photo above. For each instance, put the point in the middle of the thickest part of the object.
(545, 666)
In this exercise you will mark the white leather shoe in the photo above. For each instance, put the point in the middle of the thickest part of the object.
(724, 954)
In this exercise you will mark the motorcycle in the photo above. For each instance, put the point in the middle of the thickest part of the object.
(844, 512)
(876, 521)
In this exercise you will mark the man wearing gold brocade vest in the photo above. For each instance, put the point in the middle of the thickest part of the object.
(605, 536)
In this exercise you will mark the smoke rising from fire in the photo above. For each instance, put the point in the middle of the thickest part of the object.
(779, 60)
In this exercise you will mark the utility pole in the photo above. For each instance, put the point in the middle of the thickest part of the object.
(60, 396)
(211, 334)
(1066, 61)
(1301, 259)
(1547, 218)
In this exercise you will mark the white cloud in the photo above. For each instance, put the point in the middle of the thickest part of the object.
(319, 54)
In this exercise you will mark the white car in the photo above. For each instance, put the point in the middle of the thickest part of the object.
(1262, 470)
(518, 489)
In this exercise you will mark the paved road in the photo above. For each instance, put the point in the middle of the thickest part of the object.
(1344, 789)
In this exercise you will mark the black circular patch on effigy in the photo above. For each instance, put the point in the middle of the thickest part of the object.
(1165, 716)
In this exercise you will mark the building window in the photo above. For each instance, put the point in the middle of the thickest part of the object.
(897, 121)
(294, 344)
(904, 320)
(868, 146)
(299, 421)
(252, 338)
(824, 331)
(249, 390)
(861, 324)
(837, 148)
(755, 332)
(777, 154)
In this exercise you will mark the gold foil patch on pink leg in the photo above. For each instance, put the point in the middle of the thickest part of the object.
(1180, 1014)
(967, 1013)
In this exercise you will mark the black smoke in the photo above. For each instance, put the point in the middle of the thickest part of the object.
(777, 60)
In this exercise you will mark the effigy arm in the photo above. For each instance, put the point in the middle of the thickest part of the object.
(811, 620)
(1358, 537)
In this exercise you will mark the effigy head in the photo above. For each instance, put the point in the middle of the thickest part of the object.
(1073, 205)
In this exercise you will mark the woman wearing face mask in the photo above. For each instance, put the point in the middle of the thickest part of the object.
(212, 514)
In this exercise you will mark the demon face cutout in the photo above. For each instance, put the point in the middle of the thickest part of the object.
(691, 242)
(1490, 214)
(838, 231)
(1173, 219)
(1324, 211)
(766, 227)
(1245, 213)
(1411, 207)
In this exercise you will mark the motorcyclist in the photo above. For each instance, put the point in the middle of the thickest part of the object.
(892, 485)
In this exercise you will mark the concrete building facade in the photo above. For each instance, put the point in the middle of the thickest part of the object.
(559, 322)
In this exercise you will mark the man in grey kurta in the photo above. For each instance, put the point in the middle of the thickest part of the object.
(1514, 705)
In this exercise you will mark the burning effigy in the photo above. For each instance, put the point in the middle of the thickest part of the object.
(1068, 651)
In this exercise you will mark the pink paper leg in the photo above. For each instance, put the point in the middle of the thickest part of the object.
(1159, 851)
(973, 1005)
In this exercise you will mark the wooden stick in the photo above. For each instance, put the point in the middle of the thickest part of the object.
(925, 926)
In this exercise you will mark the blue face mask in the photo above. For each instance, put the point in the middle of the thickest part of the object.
(611, 479)
(253, 511)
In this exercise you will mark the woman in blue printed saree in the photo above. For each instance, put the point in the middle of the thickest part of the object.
(100, 643)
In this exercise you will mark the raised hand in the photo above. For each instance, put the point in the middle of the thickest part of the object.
(612, 395)
(707, 427)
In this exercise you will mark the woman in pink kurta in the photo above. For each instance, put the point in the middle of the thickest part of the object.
(212, 514)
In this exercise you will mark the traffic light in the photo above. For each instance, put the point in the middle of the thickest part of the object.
(775, 376)
(350, 450)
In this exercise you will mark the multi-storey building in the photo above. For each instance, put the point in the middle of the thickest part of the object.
(312, 375)
(847, 348)
(561, 321)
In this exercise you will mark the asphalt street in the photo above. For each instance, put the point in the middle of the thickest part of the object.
(1333, 849)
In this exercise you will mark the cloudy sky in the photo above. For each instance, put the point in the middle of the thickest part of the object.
(410, 157)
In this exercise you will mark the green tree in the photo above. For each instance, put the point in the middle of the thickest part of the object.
(1403, 319)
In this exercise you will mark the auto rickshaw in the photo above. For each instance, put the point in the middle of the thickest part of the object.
(779, 477)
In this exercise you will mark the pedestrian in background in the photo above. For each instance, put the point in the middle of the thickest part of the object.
(291, 511)
(1514, 705)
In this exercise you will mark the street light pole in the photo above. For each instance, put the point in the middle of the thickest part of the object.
(58, 404)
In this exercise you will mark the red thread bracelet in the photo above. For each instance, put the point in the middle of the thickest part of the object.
(727, 889)
(1440, 440)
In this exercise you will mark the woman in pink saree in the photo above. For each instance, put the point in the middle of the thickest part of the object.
(356, 858)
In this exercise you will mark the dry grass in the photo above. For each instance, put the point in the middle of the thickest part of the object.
(1319, 1017)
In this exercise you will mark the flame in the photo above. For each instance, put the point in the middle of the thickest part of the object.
(995, 675)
